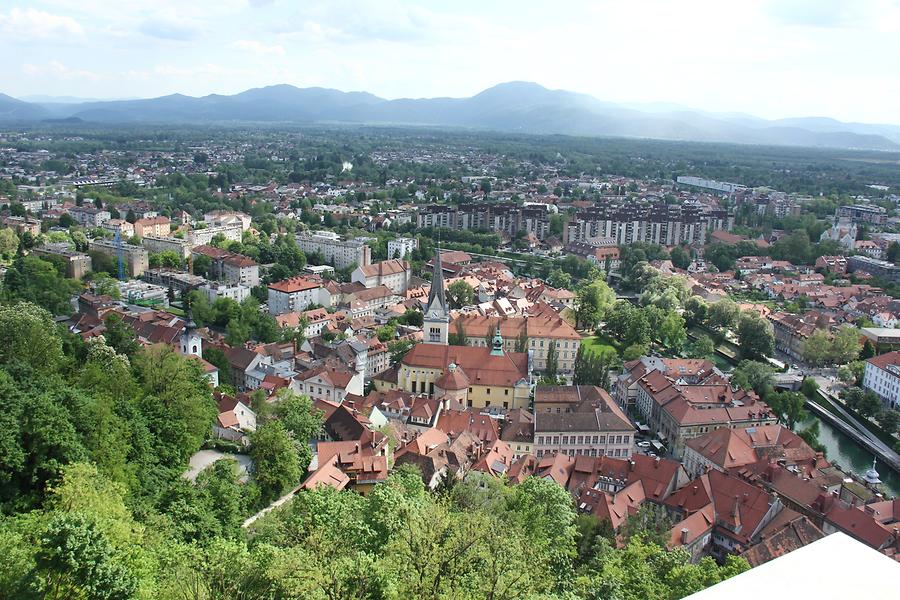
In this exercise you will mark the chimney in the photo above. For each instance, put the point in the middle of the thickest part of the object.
(656, 462)
(684, 535)
(630, 465)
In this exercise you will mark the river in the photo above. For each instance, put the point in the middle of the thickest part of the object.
(845, 452)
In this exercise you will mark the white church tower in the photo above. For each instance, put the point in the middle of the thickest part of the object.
(436, 324)
(191, 342)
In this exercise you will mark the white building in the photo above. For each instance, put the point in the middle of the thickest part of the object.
(401, 247)
(232, 232)
(296, 294)
(214, 291)
(89, 216)
(393, 274)
(340, 253)
(882, 376)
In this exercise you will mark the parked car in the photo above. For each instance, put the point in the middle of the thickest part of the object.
(643, 444)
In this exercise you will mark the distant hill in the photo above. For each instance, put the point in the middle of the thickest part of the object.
(16, 110)
(516, 106)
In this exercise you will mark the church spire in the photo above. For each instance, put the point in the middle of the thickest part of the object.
(437, 301)
(436, 325)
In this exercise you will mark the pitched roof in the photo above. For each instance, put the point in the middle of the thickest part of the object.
(385, 268)
(793, 535)
(480, 366)
(295, 284)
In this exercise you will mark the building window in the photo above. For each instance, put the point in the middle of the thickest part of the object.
(602, 439)
(506, 405)
(488, 391)
(506, 392)
(565, 440)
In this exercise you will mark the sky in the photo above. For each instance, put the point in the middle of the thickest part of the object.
(769, 58)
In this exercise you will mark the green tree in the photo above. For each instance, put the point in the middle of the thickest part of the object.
(756, 376)
(755, 335)
(591, 303)
(809, 388)
(845, 346)
(559, 279)
(9, 243)
(35, 280)
(680, 257)
(816, 347)
(460, 293)
(634, 351)
(672, 332)
(723, 314)
(28, 336)
(695, 311)
(702, 347)
(301, 419)
(275, 459)
(120, 335)
(788, 406)
(889, 420)
(552, 362)
(868, 350)
(74, 559)
(458, 337)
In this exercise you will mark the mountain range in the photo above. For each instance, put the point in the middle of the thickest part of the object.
(512, 107)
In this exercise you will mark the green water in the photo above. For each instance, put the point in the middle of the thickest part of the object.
(845, 452)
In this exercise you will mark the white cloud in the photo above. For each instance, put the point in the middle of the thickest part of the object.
(60, 71)
(257, 47)
(31, 23)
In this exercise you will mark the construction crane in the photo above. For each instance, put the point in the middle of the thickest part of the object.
(120, 254)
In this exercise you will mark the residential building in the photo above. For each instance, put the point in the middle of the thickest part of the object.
(232, 232)
(89, 216)
(295, 295)
(77, 264)
(791, 331)
(580, 420)
(23, 225)
(215, 290)
(401, 247)
(136, 258)
(123, 227)
(680, 399)
(882, 376)
(879, 268)
(156, 244)
(832, 264)
(538, 332)
(228, 266)
(863, 213)
(339, 253)
(652, 222)
(603, 255)
(392, 273)
(726, 449)
(227, 218)
(365, 302)
(155, 226)
(723, 187)
(327, 382)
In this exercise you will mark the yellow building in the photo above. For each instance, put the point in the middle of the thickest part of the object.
(476, 377)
